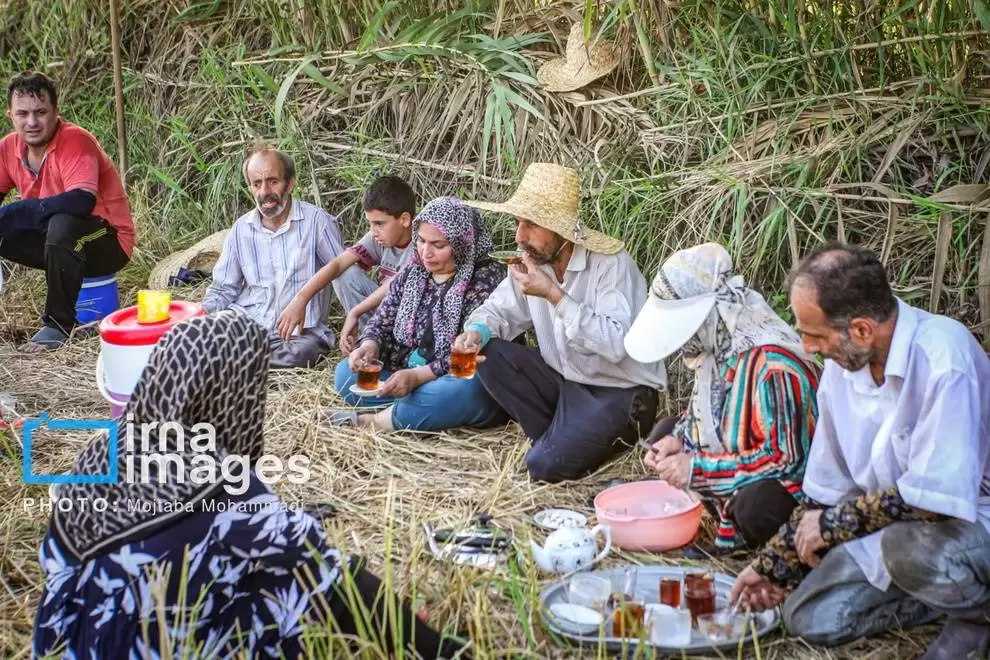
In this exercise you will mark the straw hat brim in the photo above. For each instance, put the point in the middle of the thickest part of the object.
(562, 225)
(560, 75)
(201, 256)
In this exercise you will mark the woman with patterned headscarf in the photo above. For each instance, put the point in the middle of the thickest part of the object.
(169, 557)
(743, 441)
(411, 333)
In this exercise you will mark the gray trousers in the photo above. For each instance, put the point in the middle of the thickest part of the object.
(304, 350)
(352, 287)
(936, 569)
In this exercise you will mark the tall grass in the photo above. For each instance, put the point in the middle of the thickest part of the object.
(767, 126)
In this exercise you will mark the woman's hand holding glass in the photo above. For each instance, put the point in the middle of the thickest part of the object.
(368, 350)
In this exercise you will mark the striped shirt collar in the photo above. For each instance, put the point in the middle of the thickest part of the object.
(295, 214)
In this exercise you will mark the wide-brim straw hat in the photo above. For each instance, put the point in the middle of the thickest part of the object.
(201, 256)
(550, 196)
(582, 63)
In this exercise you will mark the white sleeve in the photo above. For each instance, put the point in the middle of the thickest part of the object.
(505, 312)
(827, 478)
(947, 452)
(328, 241)
(600, 329)
(228, 278)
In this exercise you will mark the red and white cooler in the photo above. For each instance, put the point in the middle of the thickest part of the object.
(126, 346)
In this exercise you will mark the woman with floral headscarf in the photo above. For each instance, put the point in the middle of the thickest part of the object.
(743, 441)
(189, 553)
(413, 330)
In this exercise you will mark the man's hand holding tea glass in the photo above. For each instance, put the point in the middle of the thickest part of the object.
(468, 340)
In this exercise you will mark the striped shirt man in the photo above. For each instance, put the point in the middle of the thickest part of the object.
(260, 270)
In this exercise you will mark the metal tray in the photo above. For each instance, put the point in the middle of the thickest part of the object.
(647, 591)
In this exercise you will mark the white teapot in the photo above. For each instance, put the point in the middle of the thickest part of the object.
(571, 549)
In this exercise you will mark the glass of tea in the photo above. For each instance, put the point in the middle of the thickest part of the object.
(368, 373)
(699, 594)
(628, 620)
(670, 592)
(463, 361)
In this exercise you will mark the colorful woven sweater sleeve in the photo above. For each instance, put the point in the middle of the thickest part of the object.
(768, 420)
(867, 514)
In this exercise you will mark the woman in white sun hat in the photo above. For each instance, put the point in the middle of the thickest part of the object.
(743, 441)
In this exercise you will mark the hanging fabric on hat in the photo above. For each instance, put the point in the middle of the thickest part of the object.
(740, 320)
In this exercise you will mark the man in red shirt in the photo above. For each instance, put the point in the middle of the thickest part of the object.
(72, 219)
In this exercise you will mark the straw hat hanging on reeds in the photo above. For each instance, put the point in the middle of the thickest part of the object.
(582, 63)
(550, 196)
(201, 256)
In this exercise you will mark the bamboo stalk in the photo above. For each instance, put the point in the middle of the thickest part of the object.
(118, 91)
(942, 242)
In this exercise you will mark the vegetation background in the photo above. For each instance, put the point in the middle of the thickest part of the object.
(769, 126)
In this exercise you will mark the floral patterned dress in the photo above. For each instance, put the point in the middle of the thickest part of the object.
(238, 578)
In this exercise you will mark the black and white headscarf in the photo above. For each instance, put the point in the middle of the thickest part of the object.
(465, 230)
(208, 370)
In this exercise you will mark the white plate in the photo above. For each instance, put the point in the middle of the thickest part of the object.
(552, 519)
(576, 618)
(360, 392)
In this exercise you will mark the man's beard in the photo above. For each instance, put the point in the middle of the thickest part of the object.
(283, 203)
(849, 356)
(544, 257)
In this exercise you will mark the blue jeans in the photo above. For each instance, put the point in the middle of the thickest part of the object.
(444, 403)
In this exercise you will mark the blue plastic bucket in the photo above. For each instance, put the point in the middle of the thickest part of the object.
(98, 297)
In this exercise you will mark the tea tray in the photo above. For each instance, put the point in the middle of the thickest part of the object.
(648, 591)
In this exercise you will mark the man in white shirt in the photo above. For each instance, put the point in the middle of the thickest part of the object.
(580, 397)
(270, 254)
(898, 532)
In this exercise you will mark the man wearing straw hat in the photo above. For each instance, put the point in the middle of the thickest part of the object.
(579, 397)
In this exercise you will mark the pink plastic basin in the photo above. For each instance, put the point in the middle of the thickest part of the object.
(648, 515)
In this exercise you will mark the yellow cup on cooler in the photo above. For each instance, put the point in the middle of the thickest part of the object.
(153, 306)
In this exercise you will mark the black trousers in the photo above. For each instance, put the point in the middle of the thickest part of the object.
(759, 509)
(575, 428)
(70, 248)
(373, 617)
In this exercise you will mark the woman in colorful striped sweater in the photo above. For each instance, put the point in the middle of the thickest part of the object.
(743, 441)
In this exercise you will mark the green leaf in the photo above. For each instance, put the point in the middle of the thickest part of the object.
(325, 82)
(982, 12)
(486, 131)
(521, 77)
(519, 101)
(197, 12)
(374, 28)
(283, 91)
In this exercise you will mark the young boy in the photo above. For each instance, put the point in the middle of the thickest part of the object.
(389, 206)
